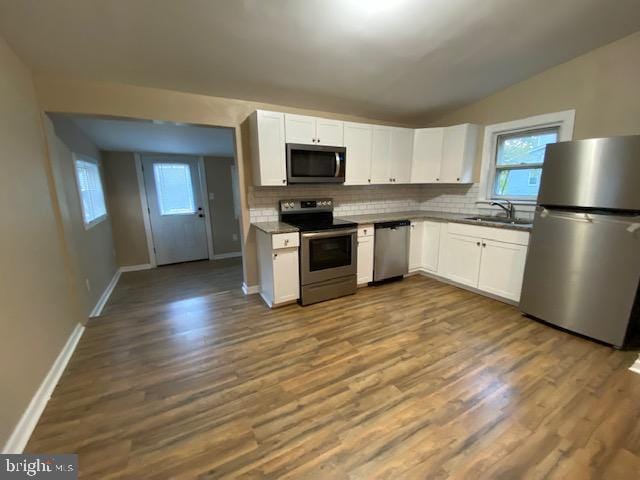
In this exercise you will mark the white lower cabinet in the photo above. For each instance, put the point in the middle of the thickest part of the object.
(365, 254)
(462, 259)
(278, 264)
(431, 239)
(502, 268)
(416, 245)
(489, 259)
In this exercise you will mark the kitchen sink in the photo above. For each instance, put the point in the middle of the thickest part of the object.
(505, 220)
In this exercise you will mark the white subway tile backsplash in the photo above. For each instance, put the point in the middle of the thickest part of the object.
(355, 200)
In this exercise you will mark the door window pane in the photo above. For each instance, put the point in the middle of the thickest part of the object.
(174, 188)
(329, 252)
(91, 194)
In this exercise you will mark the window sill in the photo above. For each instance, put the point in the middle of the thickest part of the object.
(93, 223)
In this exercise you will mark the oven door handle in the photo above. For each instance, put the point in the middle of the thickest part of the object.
(332, 233)
(337, 164)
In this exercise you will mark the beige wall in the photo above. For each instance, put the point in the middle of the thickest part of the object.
(39, 306)
(224, 223)
(602, 86)
(92, 98)
(123, 197)
(92, 250)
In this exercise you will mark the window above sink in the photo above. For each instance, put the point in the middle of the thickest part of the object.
(513, 156)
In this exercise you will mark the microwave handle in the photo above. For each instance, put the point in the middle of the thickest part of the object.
(337, 164)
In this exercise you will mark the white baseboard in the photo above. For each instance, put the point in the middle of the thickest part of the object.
(636, 366)
(250, 290)
(135, 268)
(104, 298)
(23, 430)
(220, 256)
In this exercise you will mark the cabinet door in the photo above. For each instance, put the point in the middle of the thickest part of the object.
(381, 155)
(329, 132)
(462, 259)
(357, 139)
(415, 245)
(431, 245)
(401, 154)
(458, 153)
(300, 129)
(502, 268)
(286, 286)
(365, 259)
(268, 149)
(427, 155)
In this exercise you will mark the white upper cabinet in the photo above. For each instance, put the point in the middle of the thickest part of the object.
(300, 129)
(401, 154)
(268, 148)
(357, 139)
(444, 155)
(380, 155)
(458, 153)
(312, 130)
(427, 155)
(329, 132)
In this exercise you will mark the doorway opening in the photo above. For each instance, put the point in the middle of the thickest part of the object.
(172, 196)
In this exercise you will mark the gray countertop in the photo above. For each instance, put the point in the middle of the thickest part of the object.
(426, 215)
(275, 227)
(281, 227)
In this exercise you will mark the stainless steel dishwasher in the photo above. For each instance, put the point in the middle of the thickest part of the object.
(391, 258)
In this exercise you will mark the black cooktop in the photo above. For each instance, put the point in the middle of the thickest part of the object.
(313, 222)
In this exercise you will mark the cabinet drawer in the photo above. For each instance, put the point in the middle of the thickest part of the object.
(285, 240)
(365, 231)
(490, 233)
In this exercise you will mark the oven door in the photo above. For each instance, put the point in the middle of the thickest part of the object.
(315, 163)
(328, 255)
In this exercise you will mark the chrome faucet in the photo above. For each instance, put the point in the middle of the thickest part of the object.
(510, 208)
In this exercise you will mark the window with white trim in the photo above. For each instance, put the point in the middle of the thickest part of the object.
(513, 157)
(92, 202)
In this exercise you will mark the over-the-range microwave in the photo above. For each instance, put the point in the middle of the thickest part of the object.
(315, 163)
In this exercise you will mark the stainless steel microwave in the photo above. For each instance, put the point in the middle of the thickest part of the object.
(315, 163)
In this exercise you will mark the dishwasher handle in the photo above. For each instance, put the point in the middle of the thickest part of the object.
(392, 225)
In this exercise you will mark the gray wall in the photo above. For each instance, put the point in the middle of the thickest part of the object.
(92, 251)
(224, 224)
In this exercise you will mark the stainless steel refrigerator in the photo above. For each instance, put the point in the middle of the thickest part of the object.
(583, 263)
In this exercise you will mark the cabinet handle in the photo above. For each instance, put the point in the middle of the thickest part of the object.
(284, 180)
(318, 140)
(478, 243)
(369, 180)
(484, 244)
(275, 255)
(437, 179)
(458, 179)
(286, 241)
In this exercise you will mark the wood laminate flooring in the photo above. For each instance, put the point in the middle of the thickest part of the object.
(409, 380)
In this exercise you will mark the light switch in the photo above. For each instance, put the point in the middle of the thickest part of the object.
(211, 196)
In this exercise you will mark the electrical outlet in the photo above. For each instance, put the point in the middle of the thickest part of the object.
(235, 237)
(88, 284)
(211, 196)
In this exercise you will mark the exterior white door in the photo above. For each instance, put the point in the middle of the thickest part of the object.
(175, 208)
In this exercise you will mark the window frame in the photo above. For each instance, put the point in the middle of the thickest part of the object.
(87, 159)
(563, 121)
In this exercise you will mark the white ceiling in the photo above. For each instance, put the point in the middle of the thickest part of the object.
(403, 60)
(157, 137)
